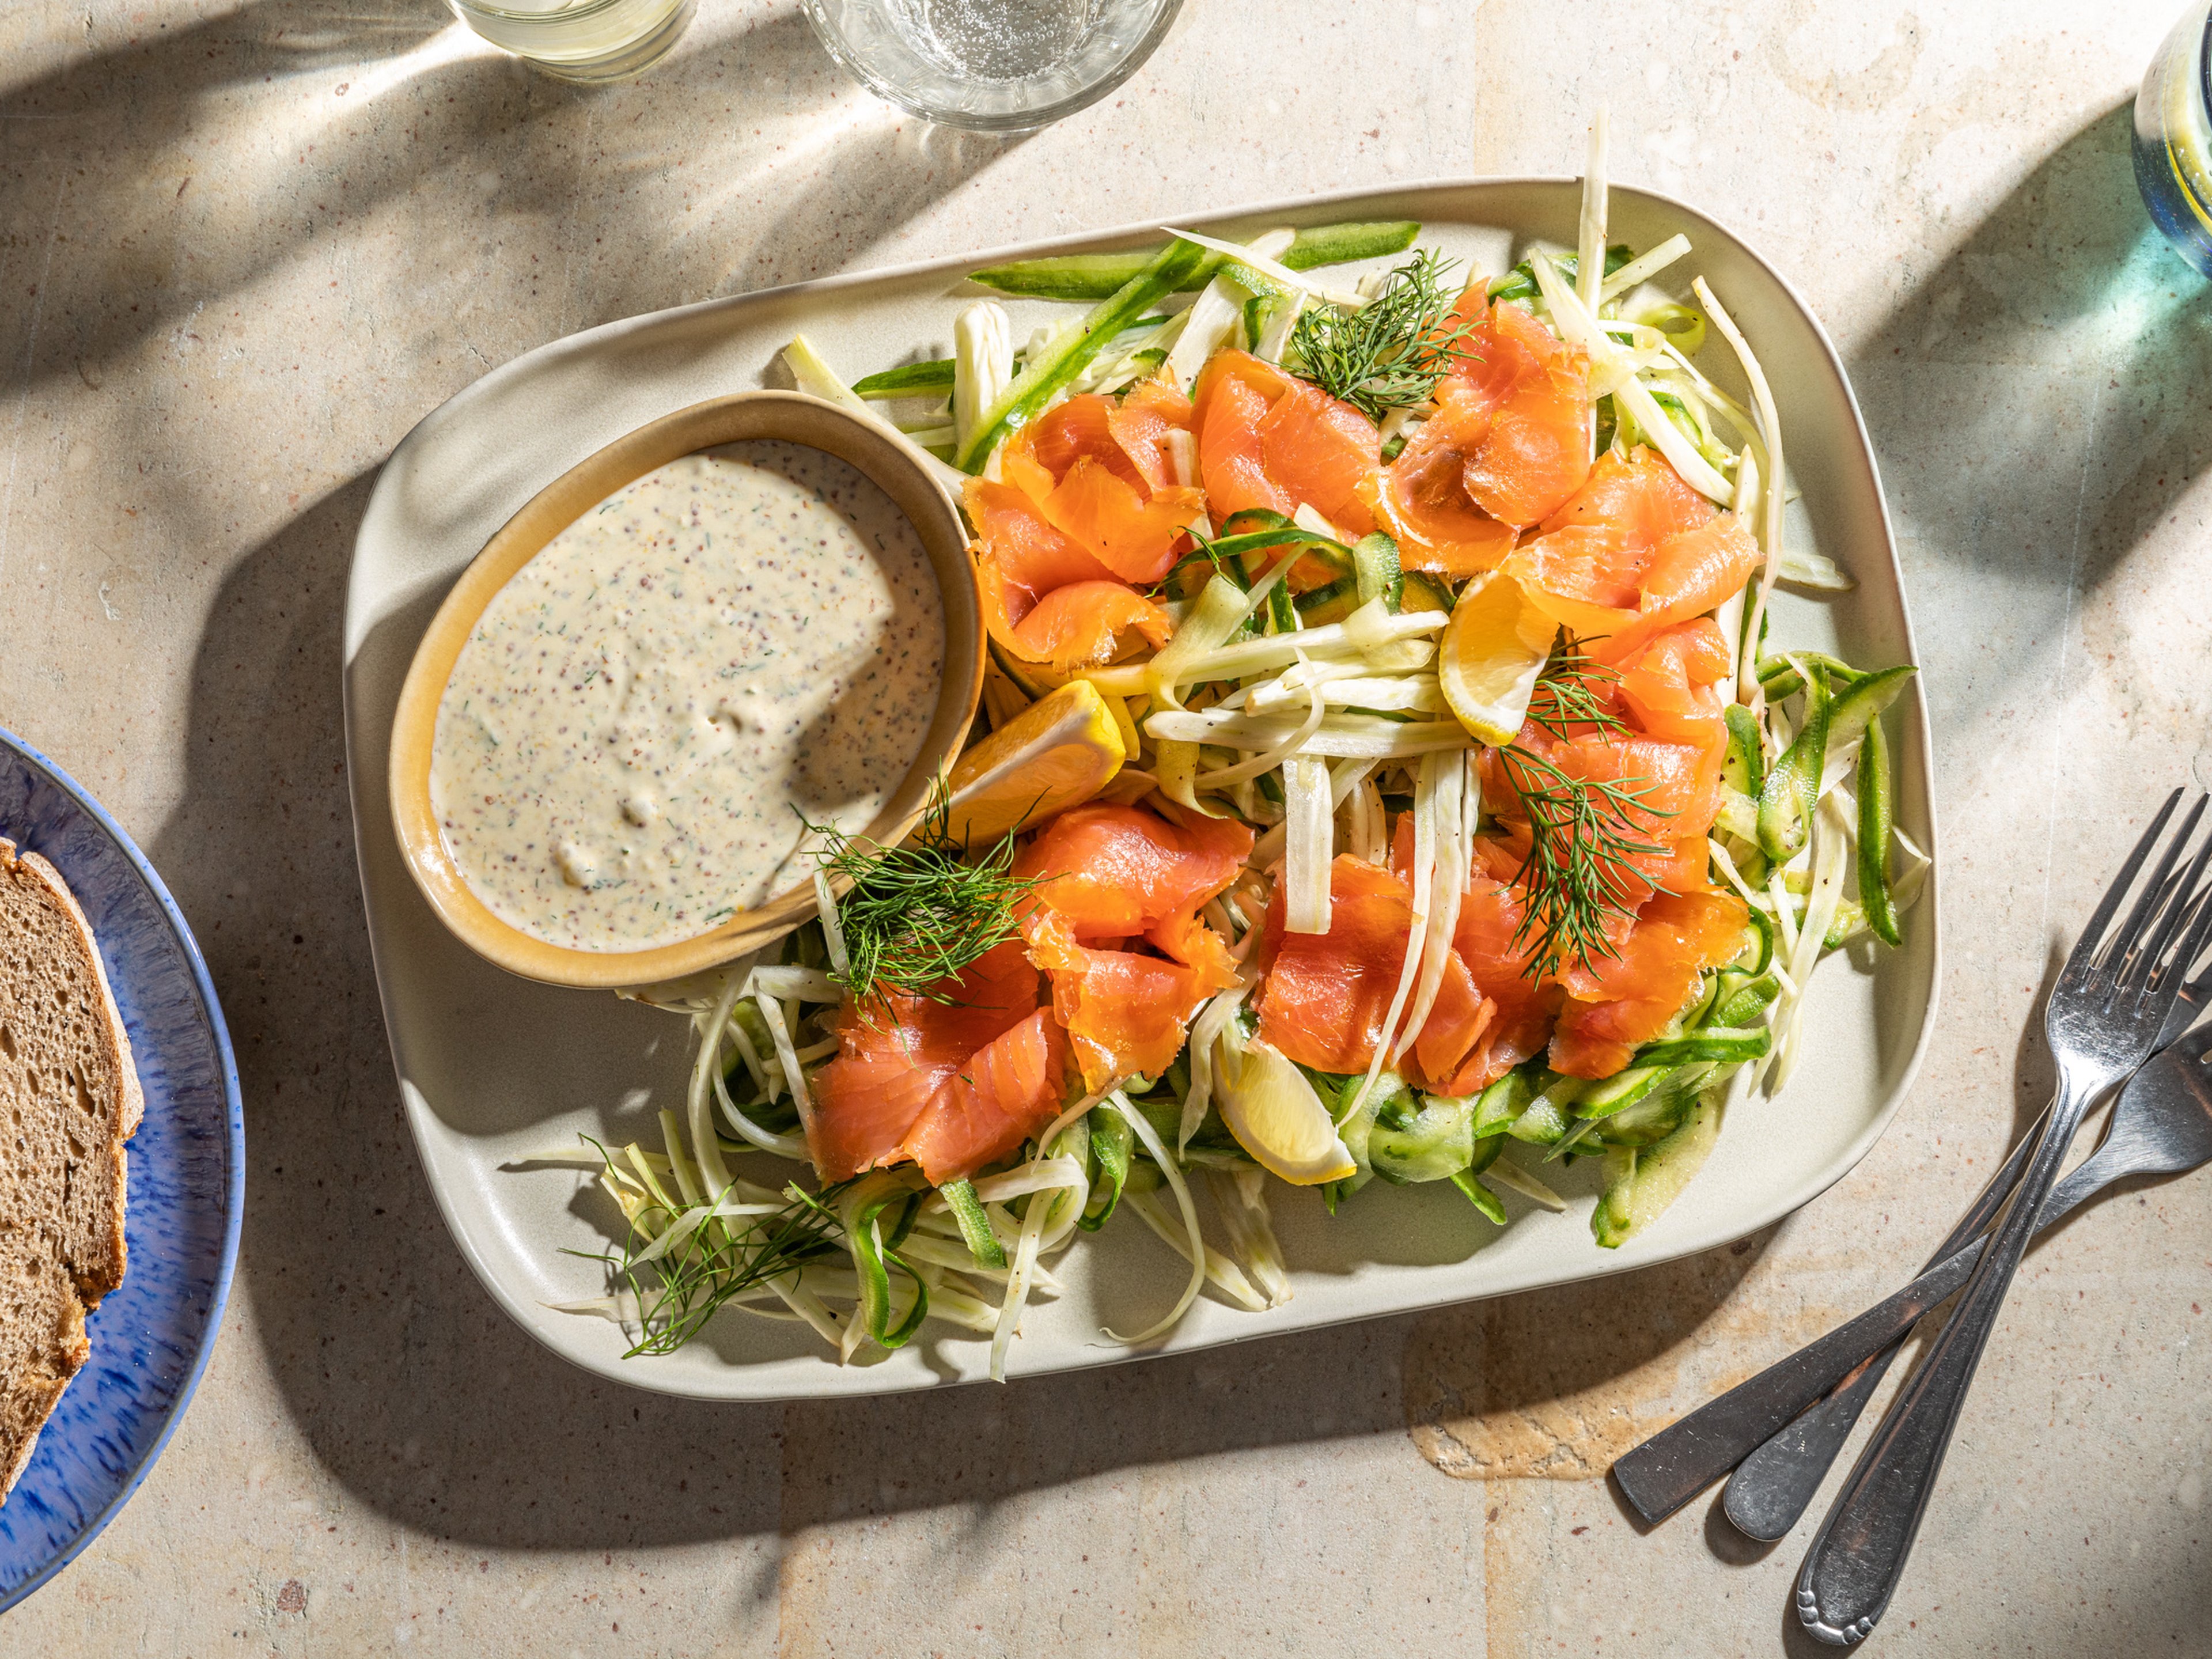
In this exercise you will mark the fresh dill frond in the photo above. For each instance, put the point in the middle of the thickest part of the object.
(922, 912)
(1569, 697)
(678, 1290)
(1392, 353)
(1577, 875)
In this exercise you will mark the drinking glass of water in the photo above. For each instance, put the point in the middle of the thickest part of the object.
(2173, 137)
(580, 40)
(995, 65)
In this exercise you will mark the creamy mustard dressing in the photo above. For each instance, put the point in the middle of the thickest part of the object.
(644, 711)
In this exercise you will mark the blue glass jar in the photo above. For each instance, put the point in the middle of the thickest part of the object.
(2173, 137)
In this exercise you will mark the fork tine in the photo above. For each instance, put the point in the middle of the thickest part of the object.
(2149, 964)
(2199, 934)
(2086, 947)
(2116, 953)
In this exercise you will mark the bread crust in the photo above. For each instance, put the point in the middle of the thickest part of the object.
(73, 1097)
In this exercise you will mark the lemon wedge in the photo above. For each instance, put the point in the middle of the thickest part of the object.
(1057, 753)
(1276, 1115)
(1035, 679)
(1492, 649)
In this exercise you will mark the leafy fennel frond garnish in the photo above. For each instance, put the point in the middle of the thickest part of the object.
(1394, 352)
(1577, 874)
(923, 911)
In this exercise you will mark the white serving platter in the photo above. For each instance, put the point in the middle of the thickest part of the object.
(492, 1068)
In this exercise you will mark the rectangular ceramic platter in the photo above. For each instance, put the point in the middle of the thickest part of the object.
(492, 1068)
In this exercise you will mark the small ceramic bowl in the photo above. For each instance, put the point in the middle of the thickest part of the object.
(898, 469)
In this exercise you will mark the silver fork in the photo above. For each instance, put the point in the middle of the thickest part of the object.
(1674, 1465)
(2112, 999)
(1768, 1493)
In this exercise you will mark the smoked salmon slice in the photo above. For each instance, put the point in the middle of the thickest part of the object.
(1268, 440)
(1046, 597)
(1325, 996)
(1008, 1091)
(1508, 443)
(1635, 550)
(1096, 471)
(1109, 875)
(1615, 1004)
(897, 1055)
(1120, 872)
(1126, 1013)
(1492, 912)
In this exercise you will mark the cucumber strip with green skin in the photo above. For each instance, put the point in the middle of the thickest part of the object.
(1694, 1011)
(1374, 562)
(1480, 1196)
(1330, 604)
(1639, 1185)
(1875, 895)
(1793, 787)
(1282, 614)
(1779, 680)
(1621, 1091)
(859, 1211)
(1394, 448)
(1268, 786)
(1111, 1137)
(1080, 277)
(1714, 1043)
(1497, 1106)
(1743, 1004)
(1433, 1144)
(1520, 282)
(1758, 952)
(1422, 592)
(1655, 1116)
(975, 1227)
(1857, 707)
(1257, 310)
(929, 379)
(1545, 1123)
(1051, 369)
(934, 377)
(1744, 768)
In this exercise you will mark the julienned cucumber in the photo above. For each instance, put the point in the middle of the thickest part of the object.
(1742, 1001)
(1875, 895)
(1655, 1116)
(934, 377)
(1744, 768)
(1780, 679)
(1640, 1184)
(1786, 805)
(975, 1225)
(928, 379)
(1374, 562)
(1111, 1140)
(1859, 706)
(1052, 369)
(1080, 277)
(1716, 1043)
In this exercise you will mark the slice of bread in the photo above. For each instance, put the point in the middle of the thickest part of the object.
(69, 1099)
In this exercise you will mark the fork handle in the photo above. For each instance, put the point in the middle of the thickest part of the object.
(1770, 1488)
(1852, 1569)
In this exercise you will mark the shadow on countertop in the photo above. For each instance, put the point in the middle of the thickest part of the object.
(273, 132)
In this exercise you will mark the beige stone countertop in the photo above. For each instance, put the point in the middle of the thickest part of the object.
(245, 247)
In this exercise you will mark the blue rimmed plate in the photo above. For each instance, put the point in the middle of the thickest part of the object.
(151, 1336)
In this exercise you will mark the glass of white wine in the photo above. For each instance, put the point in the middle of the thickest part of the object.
(580, 40)
(994, 65)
